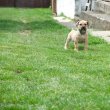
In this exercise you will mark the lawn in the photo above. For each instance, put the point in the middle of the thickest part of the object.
(36, 73)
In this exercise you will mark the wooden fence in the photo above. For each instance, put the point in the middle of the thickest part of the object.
(25, 3)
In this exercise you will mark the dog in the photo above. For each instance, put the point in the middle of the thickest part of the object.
(79, 36)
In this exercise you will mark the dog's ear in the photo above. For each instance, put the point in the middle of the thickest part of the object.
(87, 23)
(77, 23)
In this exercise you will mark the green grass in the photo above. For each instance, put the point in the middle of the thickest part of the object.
(36, 73)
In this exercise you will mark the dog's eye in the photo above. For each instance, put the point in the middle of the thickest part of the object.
(85, 24)
(80, 24)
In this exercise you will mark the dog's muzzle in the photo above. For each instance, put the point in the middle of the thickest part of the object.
(83, 30)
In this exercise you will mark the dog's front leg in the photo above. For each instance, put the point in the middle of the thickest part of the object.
(86, 43)
(76, 46)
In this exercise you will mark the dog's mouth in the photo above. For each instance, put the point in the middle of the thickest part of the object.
(83, 30)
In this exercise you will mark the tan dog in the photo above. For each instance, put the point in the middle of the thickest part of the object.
(80, 35)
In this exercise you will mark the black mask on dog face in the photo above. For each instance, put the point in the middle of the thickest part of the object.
(82, 30)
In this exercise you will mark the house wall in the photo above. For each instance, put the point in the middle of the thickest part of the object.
(70, 8)
(66, 7)
(80, 5)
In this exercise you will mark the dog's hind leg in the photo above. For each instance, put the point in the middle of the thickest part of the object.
(67, 42)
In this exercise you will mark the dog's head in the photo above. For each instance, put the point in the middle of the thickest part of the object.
(82, 26)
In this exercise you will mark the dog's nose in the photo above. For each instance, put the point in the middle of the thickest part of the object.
(83, 27)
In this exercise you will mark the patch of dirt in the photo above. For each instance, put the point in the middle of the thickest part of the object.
(25, 32)
(18, 71)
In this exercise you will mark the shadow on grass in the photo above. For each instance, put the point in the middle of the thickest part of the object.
(10, 25)
(14, 26)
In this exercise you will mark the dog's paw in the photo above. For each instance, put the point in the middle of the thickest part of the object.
(76, 50)
(65, 48)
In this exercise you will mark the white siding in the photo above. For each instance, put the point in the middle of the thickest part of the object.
(66, 7)
(70, 8)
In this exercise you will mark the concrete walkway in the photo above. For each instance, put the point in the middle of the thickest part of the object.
(70, 24)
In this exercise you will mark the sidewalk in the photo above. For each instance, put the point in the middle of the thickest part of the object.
(70, 24)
